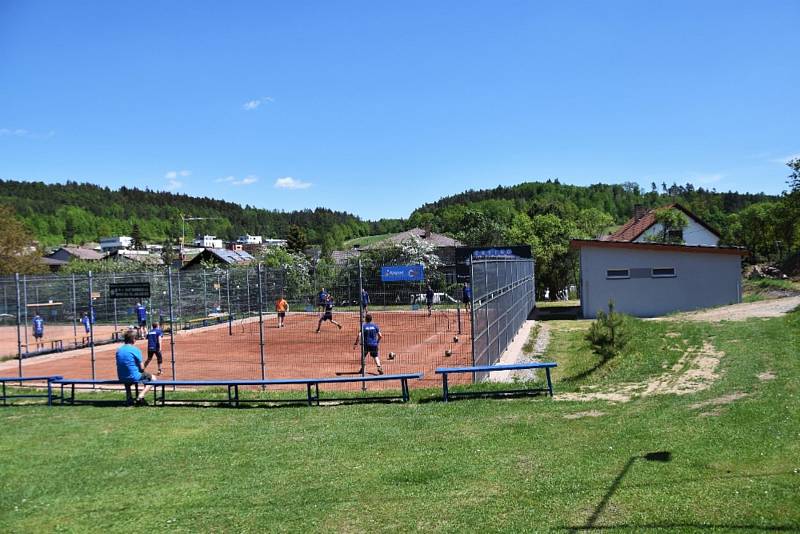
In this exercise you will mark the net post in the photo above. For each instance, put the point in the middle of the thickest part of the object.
(91, 328)
(261, 322)
(19, 321)
(171, 321)
(116, 323)
(472, 311)
(25, 308)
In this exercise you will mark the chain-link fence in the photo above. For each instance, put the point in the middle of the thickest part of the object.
(502, 297)
(224, 323)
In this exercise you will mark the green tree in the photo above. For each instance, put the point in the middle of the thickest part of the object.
(69, 231)
(671, 224)
(136, 237)
(18, 254)
(296, 240)
(607, 334)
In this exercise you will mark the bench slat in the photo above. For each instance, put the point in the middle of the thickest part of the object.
(489, 368)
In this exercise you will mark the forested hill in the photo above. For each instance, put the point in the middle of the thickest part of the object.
(79, 212)
(477, 216)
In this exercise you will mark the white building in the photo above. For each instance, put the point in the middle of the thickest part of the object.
(642, 228)
(208, 241)
(274, 242)
(111, 244)
(248, 239)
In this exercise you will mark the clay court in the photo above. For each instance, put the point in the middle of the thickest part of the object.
(232, 350)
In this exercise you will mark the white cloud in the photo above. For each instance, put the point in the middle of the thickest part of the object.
(171, 175)
(27, 134)
(173, 185)
(247, 180)
(287, 182)
(786, 159)
(250, 105)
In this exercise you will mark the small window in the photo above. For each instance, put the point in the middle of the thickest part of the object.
(663, 272)
(617, 273)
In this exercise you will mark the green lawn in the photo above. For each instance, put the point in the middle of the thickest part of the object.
(467, 466)
(366, 240)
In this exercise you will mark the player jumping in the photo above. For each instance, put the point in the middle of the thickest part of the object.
(328, 316)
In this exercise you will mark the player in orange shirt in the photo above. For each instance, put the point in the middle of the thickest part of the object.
(281, 306)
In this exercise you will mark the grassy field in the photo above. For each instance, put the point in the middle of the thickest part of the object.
(727, 458)
(366, 240)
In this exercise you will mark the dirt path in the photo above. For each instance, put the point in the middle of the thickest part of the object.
(738, 312)
(695, 371)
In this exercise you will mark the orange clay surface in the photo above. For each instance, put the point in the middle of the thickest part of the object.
(226, 351)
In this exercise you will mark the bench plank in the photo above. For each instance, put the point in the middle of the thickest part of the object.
(49, 396)
(444, 371)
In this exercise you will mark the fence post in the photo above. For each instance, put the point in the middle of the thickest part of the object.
(116, 324)
(230, 311)
(205, 295)
(25, 309)
(19, 320)
(361, 325)
(261, 323)
(74, 312)
(247, 276)
(180, 306)
(91, 327)
(171, 320)
(472, 310)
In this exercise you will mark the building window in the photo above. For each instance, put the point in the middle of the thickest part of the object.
(663, 272)
(612, 274)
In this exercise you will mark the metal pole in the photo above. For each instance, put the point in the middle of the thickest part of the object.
(261, 324)
(171, 320)
(180, 299)
(230, 311)
(247, 276)
(361, 326)
(74, 311)
(25, 309)
(91, 326)
(205, 297)
(19, 320)
(116, 325)
(472, 311)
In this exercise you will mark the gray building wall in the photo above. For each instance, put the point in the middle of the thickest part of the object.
(702, 280)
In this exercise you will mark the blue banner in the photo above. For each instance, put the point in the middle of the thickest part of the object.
(403, 273)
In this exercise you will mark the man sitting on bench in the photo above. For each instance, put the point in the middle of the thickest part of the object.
(130, 369)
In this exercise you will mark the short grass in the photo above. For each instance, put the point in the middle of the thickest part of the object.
(366, 240)
(467, 466)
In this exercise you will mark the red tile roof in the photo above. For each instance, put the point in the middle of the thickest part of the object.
(631, 230)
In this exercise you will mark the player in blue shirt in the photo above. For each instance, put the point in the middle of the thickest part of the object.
(38, 330)
(141, 320)
(466, 295)
(130, 370)
(154, 346)
(364, 300)
(322, 299)
(86, 322)
(372, 337)
(328, 316)
(429, 299)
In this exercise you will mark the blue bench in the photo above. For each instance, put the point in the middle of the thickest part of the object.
(49, 396)
(72, 382)
(444, 371)
(312, 386)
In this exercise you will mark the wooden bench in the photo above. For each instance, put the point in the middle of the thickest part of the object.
(444, 371)
(312, 386)
(72, 382)
(49, 396)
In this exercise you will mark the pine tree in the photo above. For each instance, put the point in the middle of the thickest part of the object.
(136, 236)
(296, 240)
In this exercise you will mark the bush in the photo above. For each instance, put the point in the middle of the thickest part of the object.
(608, 334)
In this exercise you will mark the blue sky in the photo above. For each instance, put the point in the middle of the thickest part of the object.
(377, 107)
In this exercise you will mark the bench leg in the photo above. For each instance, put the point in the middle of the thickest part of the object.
(445, 393)
(236, 394)
(316, 388)
(49, 393)
(549, 382)
(4, 394)
(404, 386)
(308, 389)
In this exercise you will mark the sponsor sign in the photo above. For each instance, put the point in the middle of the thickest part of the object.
(402, 273)
(129, 290)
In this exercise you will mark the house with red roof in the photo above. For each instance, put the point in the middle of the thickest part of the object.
(647, 278)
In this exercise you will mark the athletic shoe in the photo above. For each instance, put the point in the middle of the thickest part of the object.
(159, 372)
(380, 370)
(142, 402)
(340, 326)
(317, 331)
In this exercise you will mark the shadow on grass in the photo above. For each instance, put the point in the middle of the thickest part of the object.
(604, 360)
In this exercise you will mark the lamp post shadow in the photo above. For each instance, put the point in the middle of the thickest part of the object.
(660, 456)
